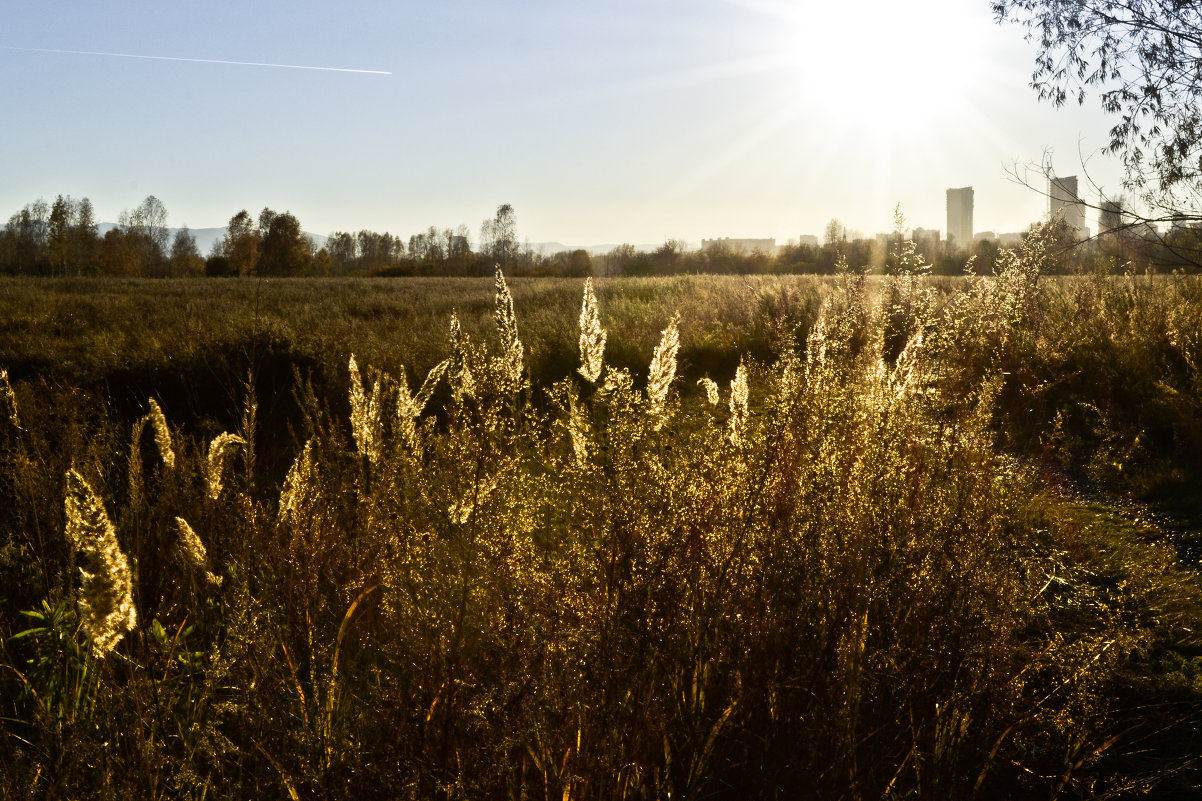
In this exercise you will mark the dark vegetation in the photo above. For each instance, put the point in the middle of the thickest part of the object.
(62, 239)
(944, 550)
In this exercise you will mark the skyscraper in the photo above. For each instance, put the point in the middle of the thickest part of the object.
(1110, 215)
(959, 217)
(1065, 204)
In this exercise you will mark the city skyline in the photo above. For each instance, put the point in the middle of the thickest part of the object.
(639, 122)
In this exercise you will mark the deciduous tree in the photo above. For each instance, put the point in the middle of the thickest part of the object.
(1142, 59)
(185, 257)
(241, 243)
(283, 247)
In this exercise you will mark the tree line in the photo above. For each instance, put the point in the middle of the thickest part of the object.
(63, 239)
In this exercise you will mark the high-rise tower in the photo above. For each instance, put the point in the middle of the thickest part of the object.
(1110, 215)
(1065, 204)
(959, 217)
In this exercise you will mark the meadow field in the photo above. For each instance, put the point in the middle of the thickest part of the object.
(740, 537)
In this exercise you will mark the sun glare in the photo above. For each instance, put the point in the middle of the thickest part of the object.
(882, 63)
(883, 71)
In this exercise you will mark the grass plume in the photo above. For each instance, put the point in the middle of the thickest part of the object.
(592, 335)
(510, 362)
(162, 434)
(662, 371)
(366, 422)
(106, 606)
(219, 450)
(409, 407)
(738, 404)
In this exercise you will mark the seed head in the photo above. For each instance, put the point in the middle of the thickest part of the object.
(663, 370)
(162, 436)
(194, 550)
(294, 498)
(106, 606)
(219, 448)
(512, 351)
(592, 335)
(410, 407)
(459, 372)
(366, 426)
(711, 391)
(738, 404)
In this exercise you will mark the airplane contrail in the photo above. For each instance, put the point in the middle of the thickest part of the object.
(195, 60)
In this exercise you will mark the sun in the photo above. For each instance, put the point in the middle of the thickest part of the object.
(885, 71)
(847, 97)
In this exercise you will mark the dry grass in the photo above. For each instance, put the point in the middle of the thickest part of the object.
(558, 571)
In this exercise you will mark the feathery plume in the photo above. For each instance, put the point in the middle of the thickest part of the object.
(427, 391)
(194, 550)
(294, 496)
(409, 407)
(738, 404)
(711, 390)
(663, 370)
(10, 398)
(219, 448)
(106, 606)
(908, 373)
(507, 329)
(459, 372)
(366, 426)
(592, 335)
(162, 436)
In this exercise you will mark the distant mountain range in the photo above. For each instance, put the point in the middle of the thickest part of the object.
(206, 238)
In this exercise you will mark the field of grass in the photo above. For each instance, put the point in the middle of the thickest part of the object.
(833, 538)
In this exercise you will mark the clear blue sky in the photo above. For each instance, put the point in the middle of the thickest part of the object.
(601, 122)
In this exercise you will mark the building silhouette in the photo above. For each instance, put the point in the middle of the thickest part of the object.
(1110, 215)
(959, 217)
(1065, 204)
(744, 247)
(926, 239)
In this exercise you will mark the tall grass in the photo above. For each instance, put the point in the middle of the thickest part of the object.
(565, 570)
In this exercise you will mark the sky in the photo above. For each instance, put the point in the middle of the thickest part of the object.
(600, 122)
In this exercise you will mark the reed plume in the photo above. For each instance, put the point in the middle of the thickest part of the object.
(294, 497)
(510, 361)
(194, 550)
(738, 405)
(366, 425)
(592, 335)
(409, 407)
(106, 606)
(162, 435)
(711, 390)
(219, 448)
(663, 370)
(459, 371)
